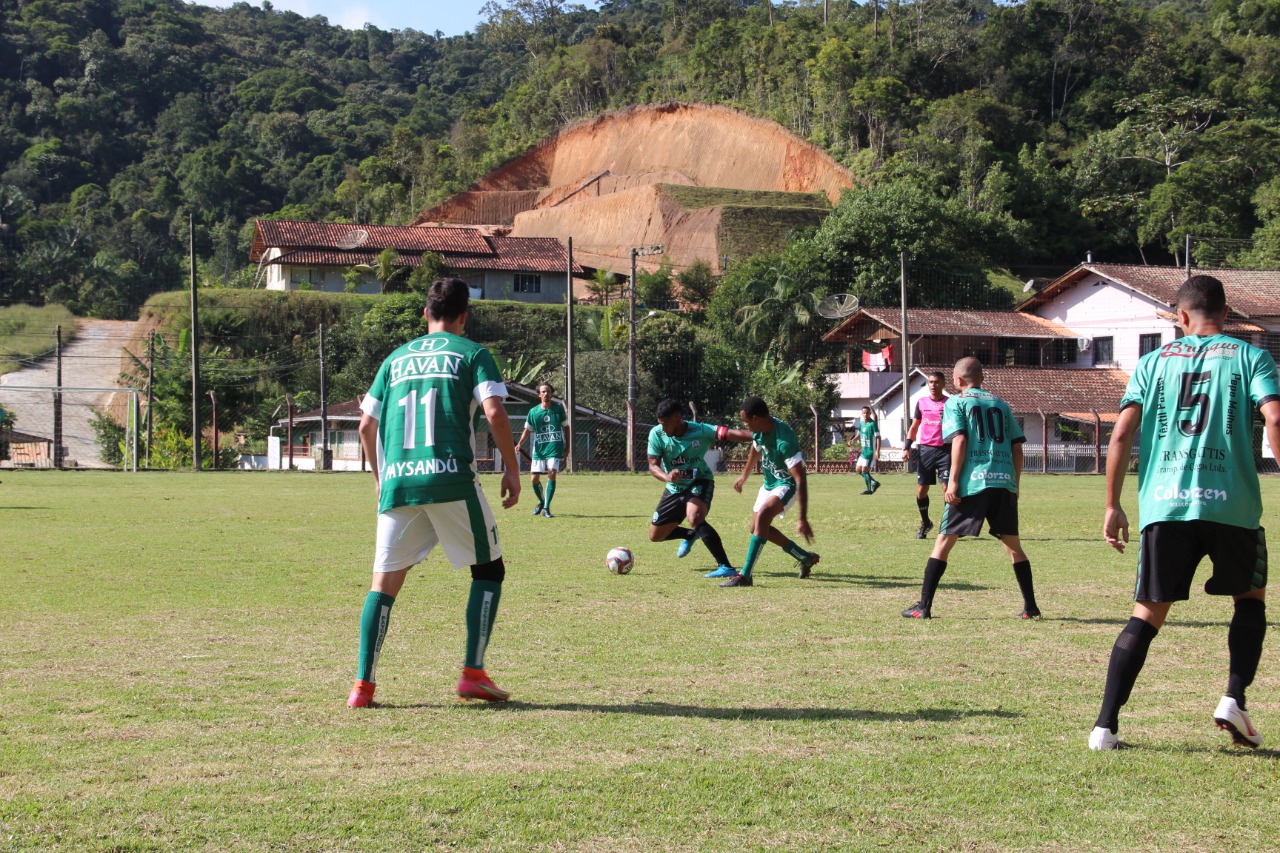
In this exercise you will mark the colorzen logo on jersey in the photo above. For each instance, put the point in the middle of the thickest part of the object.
(1173, 493)
(437, 365)
(991, 476)
(1179, 349)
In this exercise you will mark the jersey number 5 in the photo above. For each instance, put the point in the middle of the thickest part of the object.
(410, 404)
(1187, 399)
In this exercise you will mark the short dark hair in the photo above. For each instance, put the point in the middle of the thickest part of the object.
(447, 299)
(669, 407)
(755, 407)
(1202, 294)
(938, 374)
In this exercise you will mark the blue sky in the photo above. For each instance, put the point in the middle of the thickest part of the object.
(451, 17)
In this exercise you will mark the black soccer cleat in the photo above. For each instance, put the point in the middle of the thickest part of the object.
(807, 564)
(925, 527)
(917, 611)
(737, 580)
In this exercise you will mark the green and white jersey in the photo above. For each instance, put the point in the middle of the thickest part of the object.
(779, 452)
(987, 423)
(1198, 397)
(547, 426)
(425, 398)
(683, 452)
(869, 429)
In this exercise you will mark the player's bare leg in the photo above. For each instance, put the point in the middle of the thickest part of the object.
(1022, 572)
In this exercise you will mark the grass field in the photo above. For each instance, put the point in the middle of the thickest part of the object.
(27, 332)
(178, 649)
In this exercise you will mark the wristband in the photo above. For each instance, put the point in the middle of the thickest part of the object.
(908, 444)
(721, 432)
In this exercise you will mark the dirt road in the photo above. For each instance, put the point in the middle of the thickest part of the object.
(92, 360)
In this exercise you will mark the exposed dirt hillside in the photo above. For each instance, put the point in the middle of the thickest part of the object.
(597, 181)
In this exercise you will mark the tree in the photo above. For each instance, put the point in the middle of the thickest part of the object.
(697, 284)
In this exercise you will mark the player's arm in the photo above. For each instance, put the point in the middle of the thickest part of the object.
(523, 435)
(1115, 524)
(959, 448)
(802, 498)
(753, 456)
(1270, 412)
(368, 431)
(500, 428)
(1017, 465)
(736, 435)
(911, 438)
(655, 468)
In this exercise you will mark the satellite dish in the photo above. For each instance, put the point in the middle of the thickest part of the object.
(352, 239)
(1031, 282)
(838, 305)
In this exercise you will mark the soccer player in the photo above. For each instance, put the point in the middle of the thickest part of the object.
(676, 457)
(986, 467)
(417, 422)
(933, 459)
(1192, 402)
(549, 424)
(775, 447)
(870, 432)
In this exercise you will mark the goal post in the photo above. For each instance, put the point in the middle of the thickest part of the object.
(54, 426)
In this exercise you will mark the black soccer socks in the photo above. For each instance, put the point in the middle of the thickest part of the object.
(1244, 644)
(1127, 657)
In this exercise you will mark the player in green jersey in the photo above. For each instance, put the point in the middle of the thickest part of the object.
(986, 467)
(676, 457)
(1193, 403)
(869, 431)
(548, 423)
(775, 447)
(417, 422)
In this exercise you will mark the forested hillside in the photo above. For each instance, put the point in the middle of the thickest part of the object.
(1059, 125)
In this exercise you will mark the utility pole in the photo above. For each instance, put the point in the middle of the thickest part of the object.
(906, 348)
(57, 400)
(636, 251)
(324, 408)
(195, 345)
(151, 375)
(568, 362)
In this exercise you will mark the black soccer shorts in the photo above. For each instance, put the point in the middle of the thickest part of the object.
(997, 507)
(1169, 552)
(933, 464)
(671, 507)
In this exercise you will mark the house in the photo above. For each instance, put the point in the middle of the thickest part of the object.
(24, 450)
(1061, 358)
(1123, 311)
(293, 255)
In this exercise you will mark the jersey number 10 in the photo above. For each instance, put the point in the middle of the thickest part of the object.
(993, 419)
(409, 403)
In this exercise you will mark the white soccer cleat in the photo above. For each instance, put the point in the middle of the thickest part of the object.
(1231, 717)
(1103, 738)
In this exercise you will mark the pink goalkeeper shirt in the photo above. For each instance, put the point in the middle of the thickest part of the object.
(929, 413)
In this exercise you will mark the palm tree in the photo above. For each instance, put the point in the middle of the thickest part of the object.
(782, 310)
(385, 269)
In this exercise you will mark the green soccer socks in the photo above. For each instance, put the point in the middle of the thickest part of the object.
(482, 607)
(373, 630)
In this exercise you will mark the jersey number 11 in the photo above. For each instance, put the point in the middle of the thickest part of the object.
(410, 404)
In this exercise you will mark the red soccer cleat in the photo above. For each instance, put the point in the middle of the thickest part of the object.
(474, 684)
(361, 694)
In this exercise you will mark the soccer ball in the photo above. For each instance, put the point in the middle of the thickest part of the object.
(620, 560)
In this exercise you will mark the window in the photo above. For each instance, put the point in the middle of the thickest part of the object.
(1103, 351)
(527, 283)
(1148, 343)
(1062, 351)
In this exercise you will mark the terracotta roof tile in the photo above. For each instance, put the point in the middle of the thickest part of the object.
(292, 234)
(1253, 293)
(536, 254)
(955, 323)
(1057, 390)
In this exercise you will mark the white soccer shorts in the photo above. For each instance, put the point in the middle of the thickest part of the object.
(466, 529)
(542, 466)
(785, 493)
